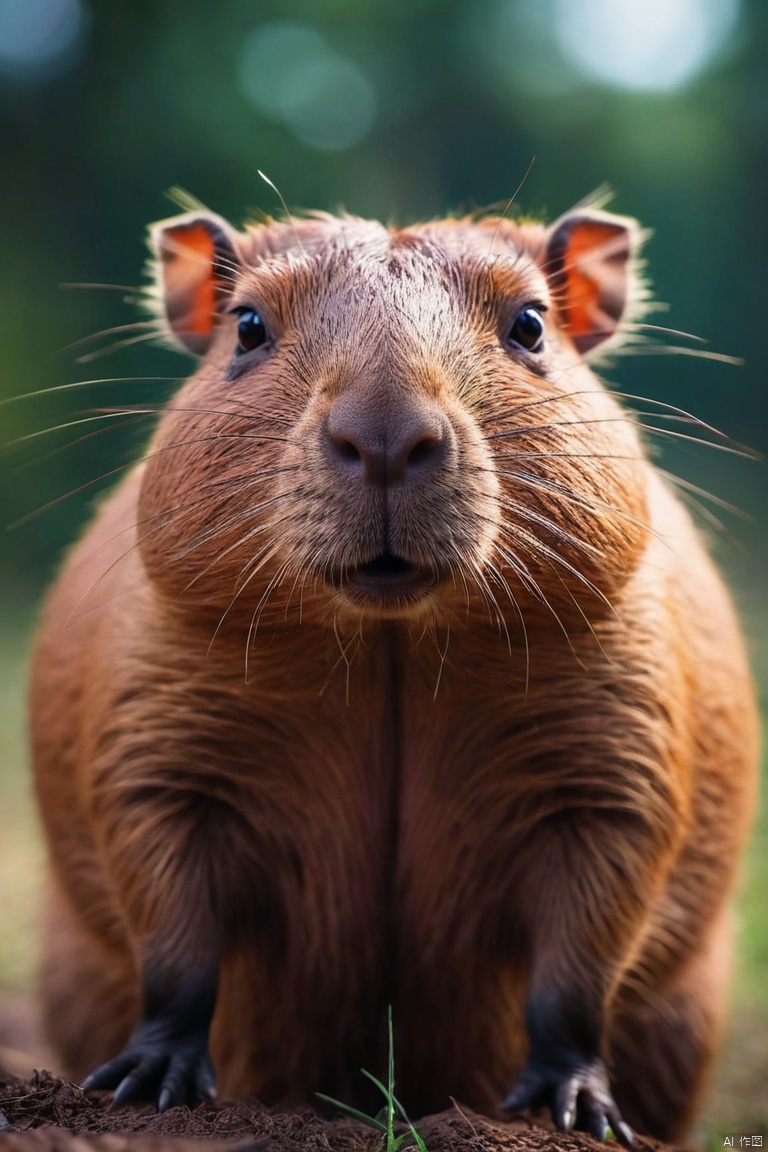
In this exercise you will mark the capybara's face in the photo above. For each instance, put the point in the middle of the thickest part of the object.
(393, 424)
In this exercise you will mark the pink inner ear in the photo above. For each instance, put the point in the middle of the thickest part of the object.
(594, 288)
(188, 255)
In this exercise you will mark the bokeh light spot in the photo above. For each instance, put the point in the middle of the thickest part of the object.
(643, 44)
(38, 35)
(291, 74)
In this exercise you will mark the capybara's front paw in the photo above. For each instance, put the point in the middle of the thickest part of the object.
(577, 1095)
(153, 1067)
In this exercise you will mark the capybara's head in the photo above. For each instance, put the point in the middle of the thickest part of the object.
(394, 423)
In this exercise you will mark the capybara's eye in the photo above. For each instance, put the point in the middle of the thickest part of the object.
(251, 330)
(528, 330)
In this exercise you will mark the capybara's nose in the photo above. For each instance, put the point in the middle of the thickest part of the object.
(402, 443)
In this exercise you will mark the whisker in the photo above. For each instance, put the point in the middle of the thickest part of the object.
(198, 410)
(160, 522)
(689, 492)
(443, 654)
(564, 397)
(258, 562)
(642, 327)
(53, 452)
(520, 568)
(510, 202)
(99, 416)
(589, 504)
(210, 535)
(274, 188)
(526, 429)
(138, 288)
(274, 583)
(343, 649)
(77, 609)
(118, 345)
(458, 569)
(29, 517)
(558, 398)
(343, 656)
(674, 350)
(558, 530)
(585, 618)
(300, 576)
(238, 592)
(732, 449)
(521, 618)
(694, 489)
(563, 455)
(134, 326)
(105, 476)
(86, 383)
(538, 546)
(495, 615)
(670, 408)
(510, 557)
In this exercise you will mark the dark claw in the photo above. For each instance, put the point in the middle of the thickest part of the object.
(109, 1075)
(595, 1120)
(566, 1120)
(141, 1081)
(148, 1072)
(578, 1097)
(205, 1081)
(623, 1132)
(182, 1082)
(131, 1088)
(124, 1091)
(564, 1105)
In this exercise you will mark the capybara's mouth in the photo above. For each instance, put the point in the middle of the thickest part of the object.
(388, 577)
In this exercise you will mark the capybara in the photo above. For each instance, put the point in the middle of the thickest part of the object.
(394, 675)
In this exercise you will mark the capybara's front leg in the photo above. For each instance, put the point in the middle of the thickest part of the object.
(565, 1073)
(166, 1059)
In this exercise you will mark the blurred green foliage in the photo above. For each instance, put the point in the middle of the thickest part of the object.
(457, 97)
(393, 110)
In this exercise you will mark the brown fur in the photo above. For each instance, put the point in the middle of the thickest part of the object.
(536, 776)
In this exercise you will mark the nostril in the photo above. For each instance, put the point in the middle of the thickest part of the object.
(423, 451)
(346, 449)
(359, 453)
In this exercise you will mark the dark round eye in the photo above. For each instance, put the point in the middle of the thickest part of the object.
(528, 330)
(251, 330)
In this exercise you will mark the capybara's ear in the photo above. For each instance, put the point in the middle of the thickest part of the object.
(196, 264)
(590, 266)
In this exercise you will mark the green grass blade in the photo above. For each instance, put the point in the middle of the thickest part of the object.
(419, 1140)
(391, 1081)
(400, 1110)
(391, 1039)
(393, 1106)
(375, 1080)
(371, 1121)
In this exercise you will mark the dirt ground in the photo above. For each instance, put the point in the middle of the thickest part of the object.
(43, 1112)
(53, 1115)
(46, 1113)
